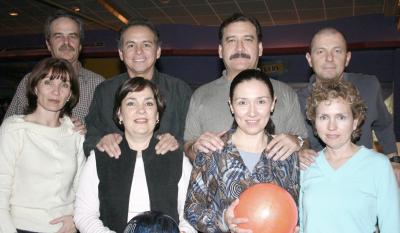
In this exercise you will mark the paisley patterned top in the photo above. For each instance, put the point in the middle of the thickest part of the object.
(218, 178)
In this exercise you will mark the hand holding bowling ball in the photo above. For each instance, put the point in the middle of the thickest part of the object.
(267, 208)
(233, 222)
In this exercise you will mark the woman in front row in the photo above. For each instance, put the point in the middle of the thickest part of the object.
(112, 191)
(219, 178)
(40, 155)
(349, 187)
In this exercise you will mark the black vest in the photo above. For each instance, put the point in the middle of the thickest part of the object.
(163, 173)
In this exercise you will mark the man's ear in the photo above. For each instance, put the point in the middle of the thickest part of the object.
(220, 51)
(308, 58)
(121, 55)
(48, 46)
(158, 52)
(348, 57)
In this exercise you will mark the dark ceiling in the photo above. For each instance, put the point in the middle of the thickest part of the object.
(32, 13)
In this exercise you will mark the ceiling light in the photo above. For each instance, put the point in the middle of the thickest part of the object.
(13, 13)
(76, 9)
(110, 8)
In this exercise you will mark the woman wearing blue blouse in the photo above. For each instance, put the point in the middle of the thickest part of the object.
(349, 188)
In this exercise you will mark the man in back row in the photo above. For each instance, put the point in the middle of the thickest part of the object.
(328, 57)
(139, 48)
(209, 115)
(64, 35)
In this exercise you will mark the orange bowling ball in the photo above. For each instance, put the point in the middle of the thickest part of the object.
(269, 209)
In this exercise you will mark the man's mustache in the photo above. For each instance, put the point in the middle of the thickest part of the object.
(67, 47)
(239, 55)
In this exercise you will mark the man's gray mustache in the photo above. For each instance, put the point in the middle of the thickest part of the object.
(66, 47)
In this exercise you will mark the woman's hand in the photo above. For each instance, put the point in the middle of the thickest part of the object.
(232, 222)
(68, 224)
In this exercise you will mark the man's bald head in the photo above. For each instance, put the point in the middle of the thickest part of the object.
(327, 31)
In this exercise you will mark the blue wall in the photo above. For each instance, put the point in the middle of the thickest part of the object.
(196, 70)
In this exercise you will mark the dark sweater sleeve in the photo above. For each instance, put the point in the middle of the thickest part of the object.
(383, 125)
(93, 125)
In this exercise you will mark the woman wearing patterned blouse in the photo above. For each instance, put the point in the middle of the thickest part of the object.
(218, 178)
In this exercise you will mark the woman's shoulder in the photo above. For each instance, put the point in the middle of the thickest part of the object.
(67, 122)
(17, 123)
(315, 167)
(66, 129)
(372, 157)
(13, 123)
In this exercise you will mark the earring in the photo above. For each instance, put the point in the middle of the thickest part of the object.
(120, 122)
(157, 121)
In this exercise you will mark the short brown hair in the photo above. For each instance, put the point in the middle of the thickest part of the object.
(59, 69)
(239, 17)
(333, 89)
(135, 22)
(136, 84)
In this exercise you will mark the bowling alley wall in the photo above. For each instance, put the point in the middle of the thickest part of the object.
(190, 53)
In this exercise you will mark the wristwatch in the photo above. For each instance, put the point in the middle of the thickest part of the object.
(395, 159)
(301, 141)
